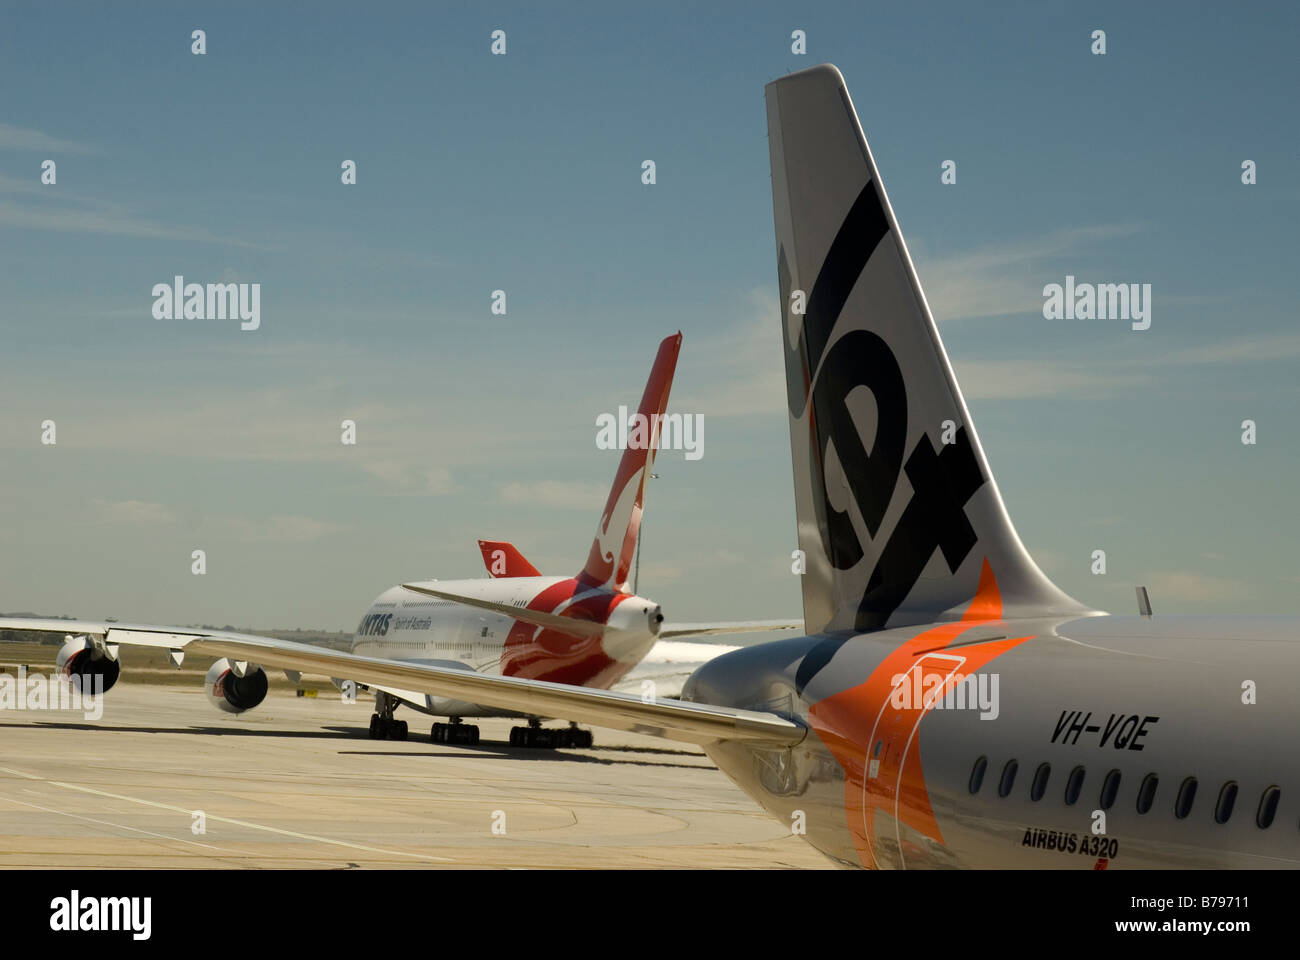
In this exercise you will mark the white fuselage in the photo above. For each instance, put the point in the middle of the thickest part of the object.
(401, 625)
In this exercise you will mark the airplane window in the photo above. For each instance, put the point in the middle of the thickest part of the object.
(1186, 796)
(1039, 786)
(1008, 778)
(1073, 786)
(1109, 787)
(977, 774)
(1147, 792)
(1227, 797)
(1267, 808)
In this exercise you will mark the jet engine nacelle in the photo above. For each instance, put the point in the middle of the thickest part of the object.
(231, 692)
(84, 658)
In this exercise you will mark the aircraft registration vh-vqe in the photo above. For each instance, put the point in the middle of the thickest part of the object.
(949, 706)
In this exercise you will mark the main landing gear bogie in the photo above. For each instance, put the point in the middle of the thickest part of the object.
(382, 724)
(454, 732)
(536, 736)
(386, 728)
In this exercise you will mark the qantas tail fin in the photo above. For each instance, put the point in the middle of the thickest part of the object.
(502, 559)
(897, 511)
(610, 557)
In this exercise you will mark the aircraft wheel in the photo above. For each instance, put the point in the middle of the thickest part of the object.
(398, 730)
(374, 726)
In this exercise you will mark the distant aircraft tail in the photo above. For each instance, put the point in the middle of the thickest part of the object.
(612, 549)
(502, 559)
(898, 514)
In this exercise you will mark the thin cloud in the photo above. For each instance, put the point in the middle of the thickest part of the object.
(746, 369)
(991, 281)
(1101, 375)
(1284, 346)
(116, 223)
(132, 513)
(556, 493)
(410, 478)
(32, 205)
(1023, 379)
(21, 138)
(282, 528)
(1188, 586)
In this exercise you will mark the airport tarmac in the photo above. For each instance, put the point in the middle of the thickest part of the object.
(297, 783)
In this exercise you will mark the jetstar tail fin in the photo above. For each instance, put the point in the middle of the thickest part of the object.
(896, 506)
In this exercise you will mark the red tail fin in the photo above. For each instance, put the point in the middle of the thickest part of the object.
(615, 542)
(503, 560)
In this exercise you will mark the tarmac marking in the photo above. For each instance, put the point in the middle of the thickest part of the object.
(237, 823)
(107, 823)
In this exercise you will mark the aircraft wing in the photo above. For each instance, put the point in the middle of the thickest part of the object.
(668, 631)
(696, 723)
(674, 720)
(112, 632)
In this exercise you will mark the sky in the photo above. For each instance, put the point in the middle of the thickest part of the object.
(522, 172)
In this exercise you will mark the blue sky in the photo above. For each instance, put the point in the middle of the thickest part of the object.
(522, 173)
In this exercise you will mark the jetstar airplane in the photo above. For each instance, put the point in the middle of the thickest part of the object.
(588, 630)
(1112, 741)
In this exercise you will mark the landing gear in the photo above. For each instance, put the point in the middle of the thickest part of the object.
(535, 735)
(385, 728)
(382, 724)
(454, 732)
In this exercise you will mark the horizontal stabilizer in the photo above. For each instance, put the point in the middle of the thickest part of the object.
(732, 626)
(570, 625)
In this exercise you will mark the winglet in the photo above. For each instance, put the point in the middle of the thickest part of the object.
(503, 560)
(612, 549)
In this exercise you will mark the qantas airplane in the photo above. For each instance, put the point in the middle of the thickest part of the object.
(948, 706)
(588, 630)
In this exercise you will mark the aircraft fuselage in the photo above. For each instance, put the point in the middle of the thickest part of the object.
(1113, 742)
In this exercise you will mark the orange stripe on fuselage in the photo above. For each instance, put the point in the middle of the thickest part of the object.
(853, 722)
